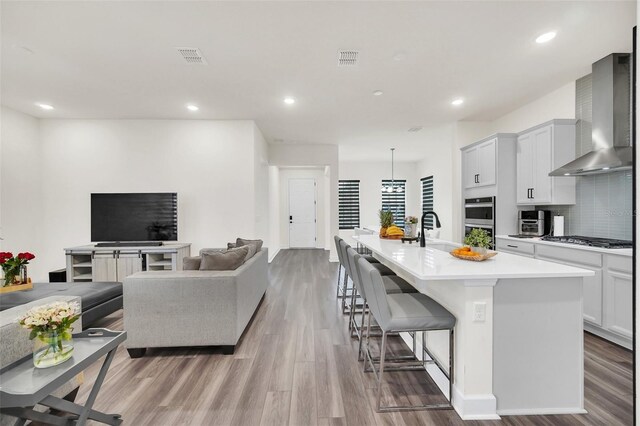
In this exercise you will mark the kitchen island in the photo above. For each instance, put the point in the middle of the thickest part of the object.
(518, 337)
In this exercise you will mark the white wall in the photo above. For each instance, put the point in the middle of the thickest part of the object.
(318, 175)
(21, 206)
(210, 164)
(561, 103)
(274, 211)
(313, 155)
(371, 175)
(261, 185)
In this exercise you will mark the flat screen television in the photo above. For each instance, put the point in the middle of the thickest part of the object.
(134, 217)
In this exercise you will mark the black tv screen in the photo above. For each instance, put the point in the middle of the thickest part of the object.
(134, 217)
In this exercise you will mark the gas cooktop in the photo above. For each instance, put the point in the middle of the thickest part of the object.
(590, 241)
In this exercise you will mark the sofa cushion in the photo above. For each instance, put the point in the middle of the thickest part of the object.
(191, 263)
(224, 260)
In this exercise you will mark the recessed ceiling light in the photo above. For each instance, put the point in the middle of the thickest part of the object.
(289, 101)
(605, 168)
(567, 174)
(543, 38)
(45, 106)
(457, 102)
(377, 92)
(193, 108)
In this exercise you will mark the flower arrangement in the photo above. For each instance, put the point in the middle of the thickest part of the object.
(11, 266)
(411, 219)
(51, 325)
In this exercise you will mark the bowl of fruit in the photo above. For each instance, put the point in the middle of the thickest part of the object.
(467, 253)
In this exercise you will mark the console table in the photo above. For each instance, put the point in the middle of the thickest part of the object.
(23, 386)
(91, 263)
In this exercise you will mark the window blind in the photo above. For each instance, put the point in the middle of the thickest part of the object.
(395, 201)
(427, 199)
(348, 204)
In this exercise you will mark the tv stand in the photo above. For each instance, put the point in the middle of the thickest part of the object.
(114, 261)
(131, 244)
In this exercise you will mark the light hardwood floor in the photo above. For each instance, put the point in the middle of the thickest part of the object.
(297, 365)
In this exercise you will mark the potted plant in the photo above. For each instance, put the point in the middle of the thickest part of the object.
(411, 226)
(479, 240)
(386, 220)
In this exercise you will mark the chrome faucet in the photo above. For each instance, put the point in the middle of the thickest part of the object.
(422, 242)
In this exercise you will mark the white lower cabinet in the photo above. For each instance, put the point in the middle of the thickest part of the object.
(618, 296)
(607, 306)
(515, 247)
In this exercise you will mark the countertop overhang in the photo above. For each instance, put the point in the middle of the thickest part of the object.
(429, 263)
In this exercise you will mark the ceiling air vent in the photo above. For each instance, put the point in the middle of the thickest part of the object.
(415, 129)
(347, 58)
(192, 55)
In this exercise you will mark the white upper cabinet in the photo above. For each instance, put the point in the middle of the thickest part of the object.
(479, 163)
(541, 150)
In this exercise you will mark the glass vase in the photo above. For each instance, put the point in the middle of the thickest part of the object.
(10, 276)
(52, 348)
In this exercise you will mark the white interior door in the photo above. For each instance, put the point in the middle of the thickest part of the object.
(302, 213)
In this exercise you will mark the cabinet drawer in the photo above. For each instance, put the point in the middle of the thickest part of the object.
(519, 247)
(580, 257)
(619, 263)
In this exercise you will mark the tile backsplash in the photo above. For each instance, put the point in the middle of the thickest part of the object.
(603, 207)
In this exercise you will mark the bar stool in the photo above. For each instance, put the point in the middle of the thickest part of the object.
(404, 312)
(383, 269)
(341, 266)
(393, 284)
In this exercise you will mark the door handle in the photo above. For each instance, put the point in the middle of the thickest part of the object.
(290, 219)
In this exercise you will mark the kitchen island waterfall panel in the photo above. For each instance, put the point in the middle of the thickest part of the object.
(526, 356)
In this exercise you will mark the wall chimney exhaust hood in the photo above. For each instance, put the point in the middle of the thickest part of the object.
(611, 136)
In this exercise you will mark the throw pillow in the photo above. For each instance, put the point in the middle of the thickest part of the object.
(242, 242)
(191, 263)
(231, 245)
(223, 260)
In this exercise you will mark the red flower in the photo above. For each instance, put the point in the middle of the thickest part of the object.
(26, 256)
(4, 256)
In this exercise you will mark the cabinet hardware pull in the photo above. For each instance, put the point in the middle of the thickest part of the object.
(512, 246)
(532, 196)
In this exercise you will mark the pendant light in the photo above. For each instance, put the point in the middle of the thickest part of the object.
(392, 187)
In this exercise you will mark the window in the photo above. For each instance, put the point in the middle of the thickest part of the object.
(394, 201)
(349, 204)
(427, 199)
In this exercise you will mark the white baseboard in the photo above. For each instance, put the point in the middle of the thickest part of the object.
(612, 337)
(273, 254)
(541, 411)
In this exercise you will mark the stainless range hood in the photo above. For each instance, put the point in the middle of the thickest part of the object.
(611, 136)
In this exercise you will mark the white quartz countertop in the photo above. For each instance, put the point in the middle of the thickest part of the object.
(429, 263)
(537, 240)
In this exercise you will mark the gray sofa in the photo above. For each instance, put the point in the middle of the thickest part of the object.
(192, 308)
